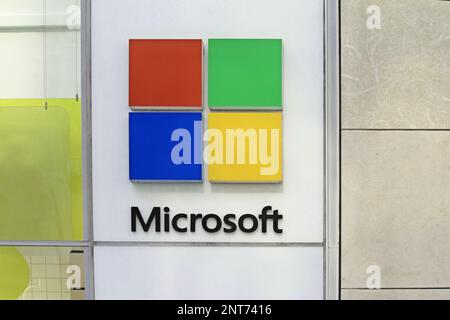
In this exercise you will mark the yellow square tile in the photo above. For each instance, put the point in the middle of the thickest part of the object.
(40, 296)
(38, 271)
(54, 296)
(65, 296)
(244, 147)
(53, 285)
(53, 271)
(38, 284)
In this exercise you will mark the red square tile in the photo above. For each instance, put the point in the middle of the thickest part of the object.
(165, 74)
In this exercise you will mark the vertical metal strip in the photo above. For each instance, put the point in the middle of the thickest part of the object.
(44, 48)
(86, 94)
(332, 146)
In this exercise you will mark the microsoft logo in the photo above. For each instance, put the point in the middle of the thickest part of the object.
(242, 139)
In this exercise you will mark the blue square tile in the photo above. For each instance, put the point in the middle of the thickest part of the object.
(165, 146)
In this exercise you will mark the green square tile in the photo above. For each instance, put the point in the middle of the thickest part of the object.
(245, 74)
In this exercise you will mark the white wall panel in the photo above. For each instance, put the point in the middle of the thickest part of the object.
(208, 273)
(299, 198)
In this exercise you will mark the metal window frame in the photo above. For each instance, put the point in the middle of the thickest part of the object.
(332, 148)
(86, 96)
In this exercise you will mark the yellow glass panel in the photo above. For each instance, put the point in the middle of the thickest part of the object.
(40, 170)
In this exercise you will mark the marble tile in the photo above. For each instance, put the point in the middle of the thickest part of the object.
(397, 76)
(416, 294)
(396, 208)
